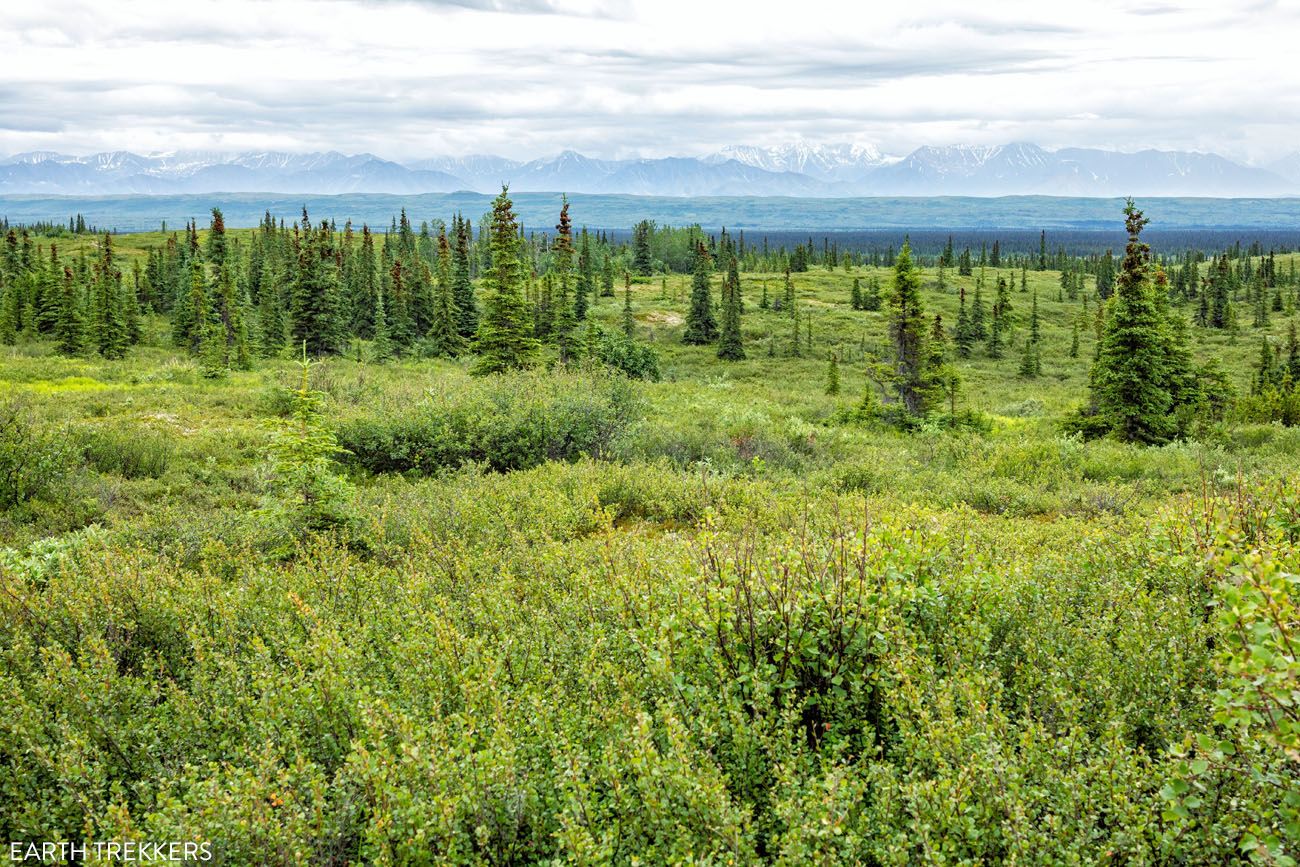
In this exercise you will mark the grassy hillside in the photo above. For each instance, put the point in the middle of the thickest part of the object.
(709, 619)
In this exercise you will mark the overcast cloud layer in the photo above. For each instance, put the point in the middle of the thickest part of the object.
(528, 78)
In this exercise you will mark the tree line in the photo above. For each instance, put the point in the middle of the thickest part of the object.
(512, 301)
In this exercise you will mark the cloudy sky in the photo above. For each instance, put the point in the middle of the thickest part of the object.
(528, 78)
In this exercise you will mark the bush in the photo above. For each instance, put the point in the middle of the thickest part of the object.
(507, 422)
(33, 460)
(135, 454)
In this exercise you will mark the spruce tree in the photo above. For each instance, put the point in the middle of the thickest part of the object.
(1293, 355)
(1031, 362)
(1131, 376)
(566, 317)
(216, 246)
(871, 300)
(444, 337)
(731, 343)
(629, 321)
(214, 360)
(461, 282)
(108, 327)
(833, 375)
(271, 317)
(190, 315)
(855, 296)
(965, 332)
(314, 295)
(383, 344)
(10, 311)
(641, 256)
(607, 276)
(69, 328)
(978, 325)
(907, 332)
(1267, 372)
(504, 340)
(701, 327)
(544, 309)
(996, 336)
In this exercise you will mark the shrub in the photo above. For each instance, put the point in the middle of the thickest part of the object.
(33, 459)
(132, 454)
(508, 422)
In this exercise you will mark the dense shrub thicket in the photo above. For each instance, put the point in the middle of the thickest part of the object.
(601, 663)
(508, 423)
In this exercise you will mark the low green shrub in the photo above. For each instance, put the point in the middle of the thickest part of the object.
(133, 453)
(507, 422)
(34, 459)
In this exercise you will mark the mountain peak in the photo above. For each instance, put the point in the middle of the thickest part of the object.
(798, 168)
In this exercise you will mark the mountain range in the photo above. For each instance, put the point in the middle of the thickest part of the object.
(799, 169)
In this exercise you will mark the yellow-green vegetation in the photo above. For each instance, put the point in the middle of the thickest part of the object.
(560, 616)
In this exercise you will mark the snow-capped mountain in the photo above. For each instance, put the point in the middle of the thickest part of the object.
(843, 162)
(799, 169)
(478, 170)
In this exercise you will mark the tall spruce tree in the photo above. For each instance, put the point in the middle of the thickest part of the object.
(731, 345)
(965, 337)
(461, 278)
(642, 263)
(108, 326)
(1135, 378)
(629, 320)
(69, 328)
(314, 295)
(701, 327)
(907, 332)
(566, 317)
(504, 340)
(444, 336)
(1031, 363)
(382, 347)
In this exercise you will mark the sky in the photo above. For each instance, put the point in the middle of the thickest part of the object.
(406, 79)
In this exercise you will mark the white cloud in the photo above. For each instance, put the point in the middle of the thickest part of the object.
(410, 78)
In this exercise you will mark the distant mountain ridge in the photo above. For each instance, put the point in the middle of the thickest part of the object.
(798, 169)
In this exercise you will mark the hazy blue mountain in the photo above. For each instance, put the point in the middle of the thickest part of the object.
(1027, 169)
(798, 169)
(196, 172)
(1155, 173)
(680, 176)
(1288, 167)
